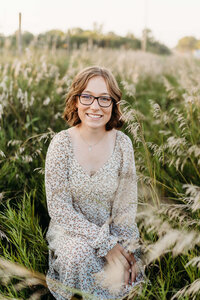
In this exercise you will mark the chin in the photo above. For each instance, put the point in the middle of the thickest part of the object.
(92, 125)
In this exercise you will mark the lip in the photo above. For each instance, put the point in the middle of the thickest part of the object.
(94, 114)
(93, 118)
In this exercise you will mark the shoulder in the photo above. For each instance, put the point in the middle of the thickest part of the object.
(127, 153)
(125, 141)
(59, 139)
(61, 135)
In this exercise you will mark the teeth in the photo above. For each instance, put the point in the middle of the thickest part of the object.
(94, 116)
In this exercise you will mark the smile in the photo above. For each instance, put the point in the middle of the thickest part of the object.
(93, 116)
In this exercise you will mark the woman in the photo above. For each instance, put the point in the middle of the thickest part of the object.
(91, 189)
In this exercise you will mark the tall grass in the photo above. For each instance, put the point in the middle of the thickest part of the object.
(161, 106)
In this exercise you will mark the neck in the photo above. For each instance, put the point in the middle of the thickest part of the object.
(91, 134)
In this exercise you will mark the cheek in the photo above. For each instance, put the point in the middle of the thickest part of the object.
(108, 111)
(108, 114)
(81, 109)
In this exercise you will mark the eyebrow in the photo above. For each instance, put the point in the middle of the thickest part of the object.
(100, 93)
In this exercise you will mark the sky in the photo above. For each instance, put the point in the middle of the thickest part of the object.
(169, 20)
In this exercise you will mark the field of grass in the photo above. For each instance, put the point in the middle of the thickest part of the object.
(161, 106)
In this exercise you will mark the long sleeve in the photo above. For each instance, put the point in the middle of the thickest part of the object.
(123, 213)
(124, 207)
(59, 200)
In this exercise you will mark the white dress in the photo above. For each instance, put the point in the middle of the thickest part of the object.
(89, 215)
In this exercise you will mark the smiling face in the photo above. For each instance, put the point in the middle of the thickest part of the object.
(96, 86)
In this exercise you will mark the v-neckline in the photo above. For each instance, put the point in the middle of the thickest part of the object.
(81, 167)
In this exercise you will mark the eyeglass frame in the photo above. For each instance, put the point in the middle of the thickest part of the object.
(113, 100)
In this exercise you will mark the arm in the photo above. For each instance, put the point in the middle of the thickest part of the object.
(59, 200)
(124, 207)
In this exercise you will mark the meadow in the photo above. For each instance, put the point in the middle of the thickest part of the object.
(161, 106)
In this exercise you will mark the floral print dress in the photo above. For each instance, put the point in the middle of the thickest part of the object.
(89, 214)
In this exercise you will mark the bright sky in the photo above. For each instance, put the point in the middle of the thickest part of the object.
(169, 20)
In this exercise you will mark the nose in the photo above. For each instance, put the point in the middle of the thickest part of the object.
(95, 104)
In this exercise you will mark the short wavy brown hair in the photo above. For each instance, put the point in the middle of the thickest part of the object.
(79, 84)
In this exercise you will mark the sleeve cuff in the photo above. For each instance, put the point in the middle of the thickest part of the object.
(105, 241)
(106, 246)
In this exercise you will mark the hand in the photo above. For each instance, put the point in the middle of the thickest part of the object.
(118, 252)
(127, 260)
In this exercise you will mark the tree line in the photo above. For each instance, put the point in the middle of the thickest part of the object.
(74, 38)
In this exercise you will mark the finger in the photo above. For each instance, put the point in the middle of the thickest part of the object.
(116, 260)
(133, 276)
(134, 272)
(130, 257)
(133, 261)
(126, 277)
(124, 262)
(127, 256)
(121, 259)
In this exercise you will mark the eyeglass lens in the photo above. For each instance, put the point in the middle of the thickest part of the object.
(88, 99)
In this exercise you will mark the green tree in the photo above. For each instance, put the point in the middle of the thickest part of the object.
(27, 37)
(187, 43)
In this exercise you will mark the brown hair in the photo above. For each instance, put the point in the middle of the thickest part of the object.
(79, 84)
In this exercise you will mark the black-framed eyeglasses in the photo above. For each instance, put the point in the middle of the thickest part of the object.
(103, 101)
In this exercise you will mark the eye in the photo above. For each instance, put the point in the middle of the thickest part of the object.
(86, 96)
(104, 99)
